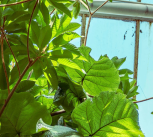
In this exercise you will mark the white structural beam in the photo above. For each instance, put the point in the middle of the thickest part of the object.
(123, 10)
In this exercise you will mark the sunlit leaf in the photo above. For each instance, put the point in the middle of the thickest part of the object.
(109, 114)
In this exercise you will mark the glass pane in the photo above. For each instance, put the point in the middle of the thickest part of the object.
(114, 38)
(145, 76)
(147, 1)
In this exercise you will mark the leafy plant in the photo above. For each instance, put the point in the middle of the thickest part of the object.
(49, 87)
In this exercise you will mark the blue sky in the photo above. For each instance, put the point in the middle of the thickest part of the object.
(117, 38)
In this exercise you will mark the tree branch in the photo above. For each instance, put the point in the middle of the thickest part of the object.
(91, 13)
(58, 112)
(88, 7)
(52, 11)
(4, 5)
(143, 100)
(85, 40)
(13, 90)
(29, 29)
(2, 55)
(12, 52)
(100, 6)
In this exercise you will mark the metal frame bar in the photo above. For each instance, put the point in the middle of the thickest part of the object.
(122, 10)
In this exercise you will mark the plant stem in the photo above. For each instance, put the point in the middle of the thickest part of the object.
(91, 13)
(3, 61)
(88, 7)
(52, 11)
(85, 40)
(12, 53)
(29, 29)
(13, 90)
(15, 3)
(100, 6)
(143, 100)
(58, 112)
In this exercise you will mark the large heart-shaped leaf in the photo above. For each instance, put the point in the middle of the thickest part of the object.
(96, 76)
(21, 115)
(108, 115)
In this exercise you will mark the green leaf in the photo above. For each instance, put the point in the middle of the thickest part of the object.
(56, 25)
(101, 76)
(70, 27)
(24, 41)
(49, 72)
(132, 83)
(123, 71)
(70, 95)
(61, 6)
(35, 32)
(71, 48)
(125, 77)
(68, 63)
(37, 69)
(31, 6)
(25, 85)
(45, 36)
(132, 92)
(3, 97)
(15, 74)
(21, 115)
(76, 9)
(118, 62)
(109, 114)
(86, 53)
(63, 39)
(7, 11)
(45, 12)
(126, 86)
(62, 54)
(35, 90)
(96, 76)
(57, 131)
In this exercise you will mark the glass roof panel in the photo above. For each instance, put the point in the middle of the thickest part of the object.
(112, 37)
(147, 1)
(145, 76)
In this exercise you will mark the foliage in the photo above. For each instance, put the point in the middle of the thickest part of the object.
(56, 88)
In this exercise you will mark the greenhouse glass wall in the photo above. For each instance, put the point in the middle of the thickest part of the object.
(124, 29)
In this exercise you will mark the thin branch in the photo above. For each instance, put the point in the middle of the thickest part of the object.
(13, 90)
(143, 100)
(15, 3)
(85, 40)
(12, 53)
(88, 7)
(100, 6)
(84, 4)
(3, 61)
(35, 60)
(29, 29)
(58, 112)
(52, 11)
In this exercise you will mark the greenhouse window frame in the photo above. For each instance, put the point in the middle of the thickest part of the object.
(121, 10)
